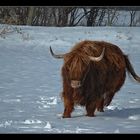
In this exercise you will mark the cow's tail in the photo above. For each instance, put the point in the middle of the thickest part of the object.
(131, 69)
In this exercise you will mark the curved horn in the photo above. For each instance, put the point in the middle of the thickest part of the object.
(56, 55)
(99, 58)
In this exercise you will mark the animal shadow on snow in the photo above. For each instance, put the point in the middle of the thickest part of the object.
(121, 113)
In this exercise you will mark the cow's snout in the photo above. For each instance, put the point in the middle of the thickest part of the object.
(75, 84)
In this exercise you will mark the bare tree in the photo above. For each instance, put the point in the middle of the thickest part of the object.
(81, 16)
(30, 15)
(111, 15)
(101, 17)
(76, 15)
(137, 20)
(65, 16)
(63, 13)
(132, 17)
(92, 16)
(73, 16)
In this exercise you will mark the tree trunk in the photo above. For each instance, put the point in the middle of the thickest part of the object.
(92, 16)
(132, 17)
(30, 15)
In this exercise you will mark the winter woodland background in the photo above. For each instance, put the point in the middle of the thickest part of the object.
(30, 78)
(71, 16)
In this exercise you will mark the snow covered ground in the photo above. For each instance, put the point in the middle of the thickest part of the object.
(30, 82)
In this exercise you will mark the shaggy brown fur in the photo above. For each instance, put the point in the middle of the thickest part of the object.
(100, 80)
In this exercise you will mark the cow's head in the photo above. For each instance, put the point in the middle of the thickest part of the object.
(76, 64)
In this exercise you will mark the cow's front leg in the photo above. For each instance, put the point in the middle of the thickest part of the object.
(90, 108)
(68, 107)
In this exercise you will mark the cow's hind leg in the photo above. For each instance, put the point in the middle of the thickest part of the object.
(108, 98)
(100, 104)
(115, 86)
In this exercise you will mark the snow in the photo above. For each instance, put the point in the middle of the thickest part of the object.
(31, 84)
(48, 126)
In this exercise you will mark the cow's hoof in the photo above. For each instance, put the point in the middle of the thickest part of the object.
(90, 115)
(100, 110)
(66, 116)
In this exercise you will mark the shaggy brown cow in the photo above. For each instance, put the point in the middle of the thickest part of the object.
(92, 73)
